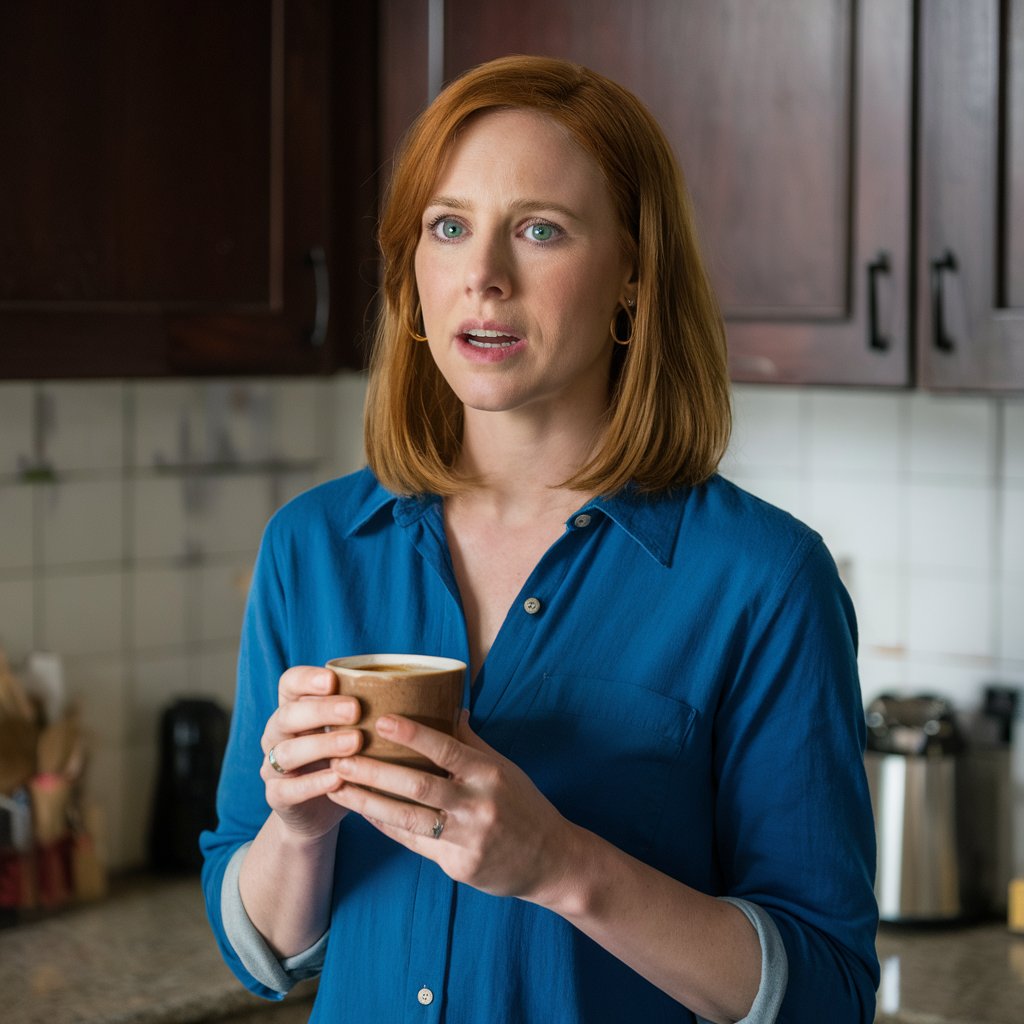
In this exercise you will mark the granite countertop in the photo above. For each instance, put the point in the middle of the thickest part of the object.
(970, 974)
(144, 955)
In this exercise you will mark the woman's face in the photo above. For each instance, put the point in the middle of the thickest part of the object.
(519, 269)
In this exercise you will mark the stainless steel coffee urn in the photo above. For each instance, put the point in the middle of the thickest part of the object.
(940, 808)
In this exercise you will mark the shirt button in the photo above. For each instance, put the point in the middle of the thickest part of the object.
(425, 996)
(581, 520)
(531, 606)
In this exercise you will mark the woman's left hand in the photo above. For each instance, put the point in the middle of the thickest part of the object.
(499, 835)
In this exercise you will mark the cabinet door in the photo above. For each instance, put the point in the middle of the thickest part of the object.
(791, 119)
(167, 178)
(971, 255)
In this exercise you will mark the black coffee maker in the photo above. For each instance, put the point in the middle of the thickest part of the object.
(193, 735)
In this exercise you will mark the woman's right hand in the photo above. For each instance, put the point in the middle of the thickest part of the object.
(312, 724)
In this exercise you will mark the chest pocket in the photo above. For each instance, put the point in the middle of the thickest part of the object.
(607, 753)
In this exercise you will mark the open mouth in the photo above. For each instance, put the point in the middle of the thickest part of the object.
(479, 338)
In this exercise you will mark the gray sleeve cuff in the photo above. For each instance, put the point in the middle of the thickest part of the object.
(252, 949)
(774, 964)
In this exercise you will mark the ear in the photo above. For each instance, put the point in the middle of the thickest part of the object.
(631, 285)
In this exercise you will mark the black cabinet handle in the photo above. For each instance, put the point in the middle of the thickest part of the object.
(317, 259)
(879, 265)
(947, 261)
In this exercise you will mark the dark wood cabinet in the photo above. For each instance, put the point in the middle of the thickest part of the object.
(792, 122)
(970, 266)
(188, 186)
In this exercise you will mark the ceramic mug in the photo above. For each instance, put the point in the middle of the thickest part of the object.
(424, 688)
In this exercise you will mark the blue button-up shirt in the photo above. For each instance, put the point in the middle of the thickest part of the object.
(678, 675)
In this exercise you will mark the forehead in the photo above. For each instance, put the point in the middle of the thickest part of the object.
(520, 150)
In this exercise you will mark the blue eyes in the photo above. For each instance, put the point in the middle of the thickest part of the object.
(447, 229)
(540, 232)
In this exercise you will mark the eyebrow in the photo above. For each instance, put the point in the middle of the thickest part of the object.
(519, 206)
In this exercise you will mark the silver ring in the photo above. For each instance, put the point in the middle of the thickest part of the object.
(437, 829)
(273, 762)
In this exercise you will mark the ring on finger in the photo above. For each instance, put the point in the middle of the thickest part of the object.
(272, 758)
(438, 828)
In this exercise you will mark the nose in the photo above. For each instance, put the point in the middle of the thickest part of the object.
(489, 270)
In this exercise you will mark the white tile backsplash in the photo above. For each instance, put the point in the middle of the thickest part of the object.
(1013, 438)
(108, 781)
(856, 431)
(768, 433)
(1011, 625)
(222, 590)
(17, 504)
(168, 423)
(859, 519)
(216, 678)
(300, 411)
(1012, 530)
(17, 618)
(98, 687)
(84, 426)
(346, 399)
(159, 608)
(142, 566)
(16, 427)
(951, 526)
(80, 521)
(880, 599)
(156, 681)
(881, 672)
(226, 515)
(159, 525)
(952, 436)
(951, 615)
(82, 614)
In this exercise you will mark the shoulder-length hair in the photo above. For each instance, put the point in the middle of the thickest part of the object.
(669, 414)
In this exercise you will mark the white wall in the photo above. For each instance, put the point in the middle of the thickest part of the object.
(133, 562)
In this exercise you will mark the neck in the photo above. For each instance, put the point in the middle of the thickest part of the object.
(522, 463)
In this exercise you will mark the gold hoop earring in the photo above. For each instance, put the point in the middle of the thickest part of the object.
(623, 335)
(418, 317)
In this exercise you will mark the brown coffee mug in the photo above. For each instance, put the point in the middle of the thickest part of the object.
(419, 686)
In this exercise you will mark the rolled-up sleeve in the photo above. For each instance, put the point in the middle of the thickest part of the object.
(793, 813)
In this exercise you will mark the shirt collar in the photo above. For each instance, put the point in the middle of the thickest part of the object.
(406, 508)
(652, 520)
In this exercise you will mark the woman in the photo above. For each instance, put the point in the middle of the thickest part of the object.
(655, 808)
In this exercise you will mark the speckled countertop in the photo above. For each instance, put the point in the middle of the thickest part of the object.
(950, 975)
(144, 955)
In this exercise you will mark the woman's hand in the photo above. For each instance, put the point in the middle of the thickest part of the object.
(498, 832)
(308, 729)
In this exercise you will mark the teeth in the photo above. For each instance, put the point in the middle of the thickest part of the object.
(480, 333)
(475, 336)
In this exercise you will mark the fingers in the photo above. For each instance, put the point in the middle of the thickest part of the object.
(445, 751)
(397, 818)
(298, 753)
(408, 784)
(311, 715)
(306, 680)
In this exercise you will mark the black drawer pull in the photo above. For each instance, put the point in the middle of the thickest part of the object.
(947, 261)
(879, 265)
(317, 259)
